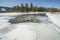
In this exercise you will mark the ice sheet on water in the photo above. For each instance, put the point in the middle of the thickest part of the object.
(29, 31)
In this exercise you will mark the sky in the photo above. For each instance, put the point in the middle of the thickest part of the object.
(44, 3)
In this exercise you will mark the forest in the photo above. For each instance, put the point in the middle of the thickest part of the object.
(31, 8)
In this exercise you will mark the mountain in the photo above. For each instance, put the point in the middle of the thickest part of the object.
(4, 9)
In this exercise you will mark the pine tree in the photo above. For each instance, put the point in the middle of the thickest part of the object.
(18, 8)
(35, 8)
(26, 7)
(31, 7)
(22, 7)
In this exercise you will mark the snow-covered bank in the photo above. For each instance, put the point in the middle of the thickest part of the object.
(30, 31)
(55, 18)
(19, 13)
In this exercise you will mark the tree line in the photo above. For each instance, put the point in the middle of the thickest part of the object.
(27, 8)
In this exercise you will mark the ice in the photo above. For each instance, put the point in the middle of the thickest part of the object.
(28, 30)
(22, 32)
(3, 22)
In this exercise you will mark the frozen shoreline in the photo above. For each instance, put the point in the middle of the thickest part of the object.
(29, 30)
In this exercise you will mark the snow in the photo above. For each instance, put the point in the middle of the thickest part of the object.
(28, 30)
(22, 32)
(3, 22)
(55, 18)
(19, 13)
(3, 9)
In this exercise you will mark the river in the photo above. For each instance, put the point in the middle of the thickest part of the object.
(45, 30)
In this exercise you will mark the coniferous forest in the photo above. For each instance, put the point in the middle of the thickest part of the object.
(31, 8)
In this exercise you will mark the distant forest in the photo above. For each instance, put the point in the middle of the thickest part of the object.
(31, 8)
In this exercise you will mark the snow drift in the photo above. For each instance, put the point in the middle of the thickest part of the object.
(55, 18)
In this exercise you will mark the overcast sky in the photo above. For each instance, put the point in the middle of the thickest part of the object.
(44, 3)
